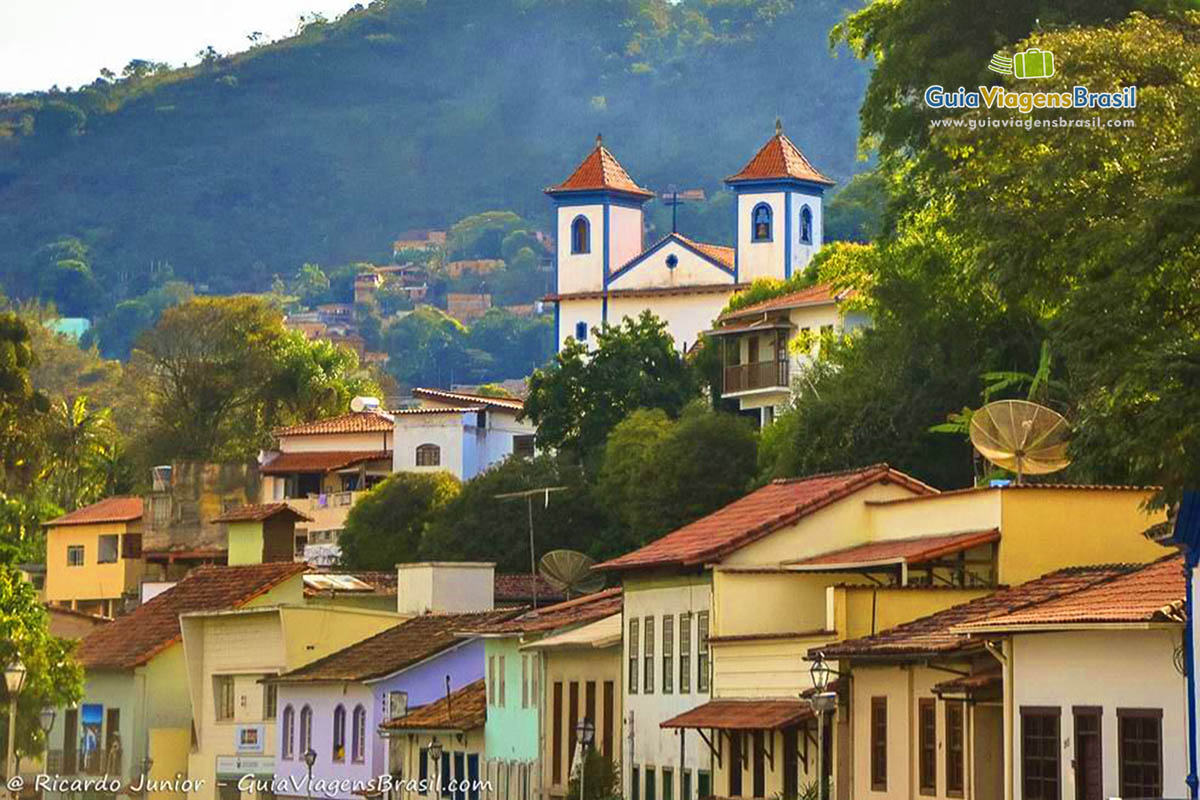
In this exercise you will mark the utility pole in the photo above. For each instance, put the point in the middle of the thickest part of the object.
(529, 494)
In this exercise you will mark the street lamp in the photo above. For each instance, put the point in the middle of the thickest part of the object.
(822, 702)
(585, 732)
(46, 721)
(14, 681)
(435, 753)
(310, 758)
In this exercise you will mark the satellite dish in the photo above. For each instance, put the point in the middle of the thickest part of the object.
(1021, 436)
(364, 403)
(570, 571)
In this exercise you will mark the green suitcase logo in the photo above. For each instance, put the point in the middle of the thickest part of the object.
(1033, 63)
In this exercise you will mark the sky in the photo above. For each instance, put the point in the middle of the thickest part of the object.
(68, 42)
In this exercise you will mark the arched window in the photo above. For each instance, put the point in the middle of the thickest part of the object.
(429, 455)
(761, 223)
(581, 235)
(305, 729)
(358, 734)
(581, 331)
(806, 225)
(339, 733)
(289, 733)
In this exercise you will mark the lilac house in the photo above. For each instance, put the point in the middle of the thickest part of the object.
(336, 704)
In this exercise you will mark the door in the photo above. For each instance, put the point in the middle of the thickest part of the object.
(791, 745)
(735, 764)
(1088, 764)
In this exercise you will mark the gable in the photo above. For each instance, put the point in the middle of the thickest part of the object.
(651, 269)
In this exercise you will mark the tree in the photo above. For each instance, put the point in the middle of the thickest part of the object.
(311, 285)
(428, 348)
(580, 396)
(387, 525)
(600, 778)
(21, 406)
(82, 449)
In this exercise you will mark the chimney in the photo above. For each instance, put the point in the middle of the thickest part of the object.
(445, 587)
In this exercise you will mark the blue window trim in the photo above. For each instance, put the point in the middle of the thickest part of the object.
(754, 237)
(806, 216)
(581, 331)
(588, 230)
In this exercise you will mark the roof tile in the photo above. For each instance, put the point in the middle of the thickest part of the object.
(464, 709)
(909, 551)
(444, 396)
(257, 512)
(742, 715)
(588, 608)
(817, 294)
(321, 460)
(600, 171)
(110, 509)
(353, 422)
(779, 159)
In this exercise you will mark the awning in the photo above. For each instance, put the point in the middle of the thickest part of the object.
(896, 551)
(970, 684)
(601, 633)
(743, 715)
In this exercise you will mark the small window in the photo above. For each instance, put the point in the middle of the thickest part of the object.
(672, 261)
(131, 545)
(223, 696)
(523, 446)
(1041, 754)
(668, 659)
(651, 784)
(75, 555)
(358, 735)
(1139, 733)
(703, 783)
(581, 331)
(339, 734)
(806, 225)
(503, 686)
(648, 659)
(633, 656)
(429, 455)
(288, 741)
(581, 235)
(685, 654)
(879, 733)
(761, 223)
(270, 698)
(108, 549)
(305, 729)
(702, 651)
(955, 752)
(927, 745)
(491, 681)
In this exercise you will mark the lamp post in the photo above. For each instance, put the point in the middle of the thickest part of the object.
(585, 732)
(14, 681)
(822, 702)
(310, 758)
(435, 754)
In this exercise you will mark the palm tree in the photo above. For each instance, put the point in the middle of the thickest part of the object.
(82, 446)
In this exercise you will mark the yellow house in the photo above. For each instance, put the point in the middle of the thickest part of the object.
(135, 700)
(94, 556)
(438, 746)
(226, 655)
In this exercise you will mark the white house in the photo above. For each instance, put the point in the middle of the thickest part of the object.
(605, 271)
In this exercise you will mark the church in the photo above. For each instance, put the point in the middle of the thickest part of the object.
(605, 271)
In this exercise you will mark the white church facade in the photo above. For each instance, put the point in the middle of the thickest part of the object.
(605, 271)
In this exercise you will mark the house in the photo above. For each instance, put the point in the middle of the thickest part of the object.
(473, 266)
(460, 433)
(467, 307)
(935, 700)
(94, 557)
(605, 271)
(262, 533)
(764, 346)
(420, 239)
(135, 697)
(439, 746)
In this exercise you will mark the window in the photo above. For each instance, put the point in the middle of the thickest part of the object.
(581, 331)
(534, 680)
(702, 651)
(491, 681)
(761, 223)
(927, 745)
(879, 754)
(685, 783)
(131, 545)
(75, 555)
(524, 681)
(955, 752)
(606, 735)
(288, 740)
(633, 656)
(305, 729)
(339, 733)
(358, 735)
(270, 699)
(523, 446)
(429, 455)
(668, 659)
(651, 784)
(556, 719)
(703, 783)
(668, 781)
(581, 235)
(758, 764)
(635, 785)
(648, 658)
(107, 550)
(223, 696)
(1139, 736)
(1040, 754)
(806, 226)
(685, 655)
(503, 686)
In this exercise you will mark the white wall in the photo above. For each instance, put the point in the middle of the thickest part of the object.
(444, 587)
(803, 253)
(589, 311)
(628, 238)
(443, 430)
(760, 259)
(691, 270)
(581, 272)
(327, 442)
(686, 315)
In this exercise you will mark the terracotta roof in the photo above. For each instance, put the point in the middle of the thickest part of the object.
(779, 159)
(600, 171)
(742, 715)
(651, 291)
(815, 295)
(437, 410)
(519, 588)
(1025, 487)
(937, 633)
(321, 460)
(394, 649)
(353, 422)
(717, 252)
(1151, 593)
(110, 509)
(588, 608)
(464, 710)
(777, 505)
(138, 636)
(443, 395)
(257, 512)
(906, 551)
(969, 684)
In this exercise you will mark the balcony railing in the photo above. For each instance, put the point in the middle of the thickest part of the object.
(759, 375)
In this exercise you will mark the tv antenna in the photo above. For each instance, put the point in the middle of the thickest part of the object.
(529, 494)
(1022, 437)
(570, 571)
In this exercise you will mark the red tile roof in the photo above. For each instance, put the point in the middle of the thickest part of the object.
(937, 633)
(519, 588)
(969, 684)
(258, 512)
(815, 295)
(321, 460)
(600, 171)
(1151, 593)
(717, 252)
(110, 509)
(443, 396)
(651, 291)
(588, 608)
(353, 422)
(908, 551)
(394, 649)
(464, 710)
(779, 159)
(137, 637)
(777, 505)
(742, 715)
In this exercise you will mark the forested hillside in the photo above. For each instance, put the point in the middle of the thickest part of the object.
(403, 114)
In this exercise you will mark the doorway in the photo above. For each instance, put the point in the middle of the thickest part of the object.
(1089, 775)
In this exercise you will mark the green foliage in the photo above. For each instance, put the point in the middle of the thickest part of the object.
(387, 525)
(81, 445)
(856, 212)
(580, 396)
(763, 289)
(601, 779)
(483, 235)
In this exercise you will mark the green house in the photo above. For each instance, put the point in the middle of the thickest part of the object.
(262, 533)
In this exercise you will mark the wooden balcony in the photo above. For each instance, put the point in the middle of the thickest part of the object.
(759, 375)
